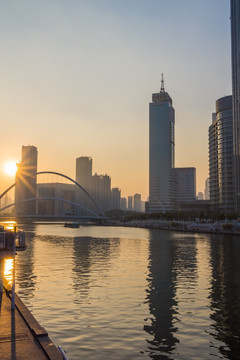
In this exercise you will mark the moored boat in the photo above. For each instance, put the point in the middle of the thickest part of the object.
(71, 224)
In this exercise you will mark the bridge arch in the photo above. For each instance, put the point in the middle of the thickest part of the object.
(53, 173)
(50, 198)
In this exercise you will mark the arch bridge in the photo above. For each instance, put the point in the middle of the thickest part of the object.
(46, 204)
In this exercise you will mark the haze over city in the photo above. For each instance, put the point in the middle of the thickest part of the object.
(77, 79)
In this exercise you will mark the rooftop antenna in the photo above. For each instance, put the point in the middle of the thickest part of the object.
(162, 85)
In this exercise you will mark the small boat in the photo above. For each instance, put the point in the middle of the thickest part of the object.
(71, 224)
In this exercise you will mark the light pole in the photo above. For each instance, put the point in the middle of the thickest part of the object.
(13, 281)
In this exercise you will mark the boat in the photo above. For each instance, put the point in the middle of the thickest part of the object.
(71, 224)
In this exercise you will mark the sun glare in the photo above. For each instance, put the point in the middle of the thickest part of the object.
(10, 168)
(8, 270)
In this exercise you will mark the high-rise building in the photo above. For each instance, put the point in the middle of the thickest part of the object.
(123, 203)
(221, 182)
(213, 162)
(84, 178)
(84, 172)
(235, 40)
(26, 182)
(59, 191)
(207, 189)
(130, 205)
(101, 191)
(116, 198)
(137, 202)
(161, 152)
(185, 184)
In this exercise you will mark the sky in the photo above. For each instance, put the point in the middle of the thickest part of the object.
(77, 77)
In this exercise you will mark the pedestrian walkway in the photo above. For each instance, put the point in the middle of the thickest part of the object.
(21, 336)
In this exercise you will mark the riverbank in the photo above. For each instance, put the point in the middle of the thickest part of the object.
(219, 227)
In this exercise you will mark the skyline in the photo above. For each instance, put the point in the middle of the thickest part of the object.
(87, 71)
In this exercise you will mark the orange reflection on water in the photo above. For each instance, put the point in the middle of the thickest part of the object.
(8, 270)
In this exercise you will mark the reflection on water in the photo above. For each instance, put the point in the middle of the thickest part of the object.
(225, 295)
(123, 293)
(8, 270)
(26, 274)
(91, 255)
(161, 296)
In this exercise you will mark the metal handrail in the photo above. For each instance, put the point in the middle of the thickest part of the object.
(62, 352)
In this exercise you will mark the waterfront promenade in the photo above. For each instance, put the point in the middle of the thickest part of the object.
(21, 336)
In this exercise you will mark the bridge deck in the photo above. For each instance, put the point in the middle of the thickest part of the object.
(21, 337)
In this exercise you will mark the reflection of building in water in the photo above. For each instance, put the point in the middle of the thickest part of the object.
(91, 256)
(172, 275)
(225, 294)
(161, 296)
(25, 274)
(185, 264)
(26, 182)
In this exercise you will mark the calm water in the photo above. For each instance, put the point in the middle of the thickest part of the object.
(125, 293)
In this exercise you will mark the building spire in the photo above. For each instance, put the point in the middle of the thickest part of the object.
(162, 85)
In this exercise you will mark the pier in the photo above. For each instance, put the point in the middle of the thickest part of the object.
(21, 336)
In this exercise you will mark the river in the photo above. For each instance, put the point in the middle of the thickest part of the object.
(127, 293)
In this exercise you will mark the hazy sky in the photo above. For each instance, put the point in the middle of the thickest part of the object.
(77, 77)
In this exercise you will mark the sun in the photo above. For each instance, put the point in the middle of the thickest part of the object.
(10, 168)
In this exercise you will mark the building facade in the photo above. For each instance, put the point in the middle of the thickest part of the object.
(185, 184)
(130, 203)
(207, 190)
(26, 182)
(101, 191)
(123, 203)
(63, 191)
(137, 202)
(221, 166)
(84, 178)
(115, 198)
(235, 40)
(84, 172)
(161, 153)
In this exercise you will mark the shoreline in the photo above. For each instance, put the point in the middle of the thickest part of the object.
(197, 228)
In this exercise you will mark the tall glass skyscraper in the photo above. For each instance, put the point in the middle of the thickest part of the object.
(161, 153)
(221, 157)
(235, 36)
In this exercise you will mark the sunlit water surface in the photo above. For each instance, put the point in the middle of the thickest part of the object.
(125, 293)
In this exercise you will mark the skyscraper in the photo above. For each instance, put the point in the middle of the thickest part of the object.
(130, 201)
(235, 37)
(84, 178)
(84, 172)
(161, 152)
(116, 198)
(137, 202)
(101, 191)
(26, 182)
(185, 184)
(221, 157)
(207, 189)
